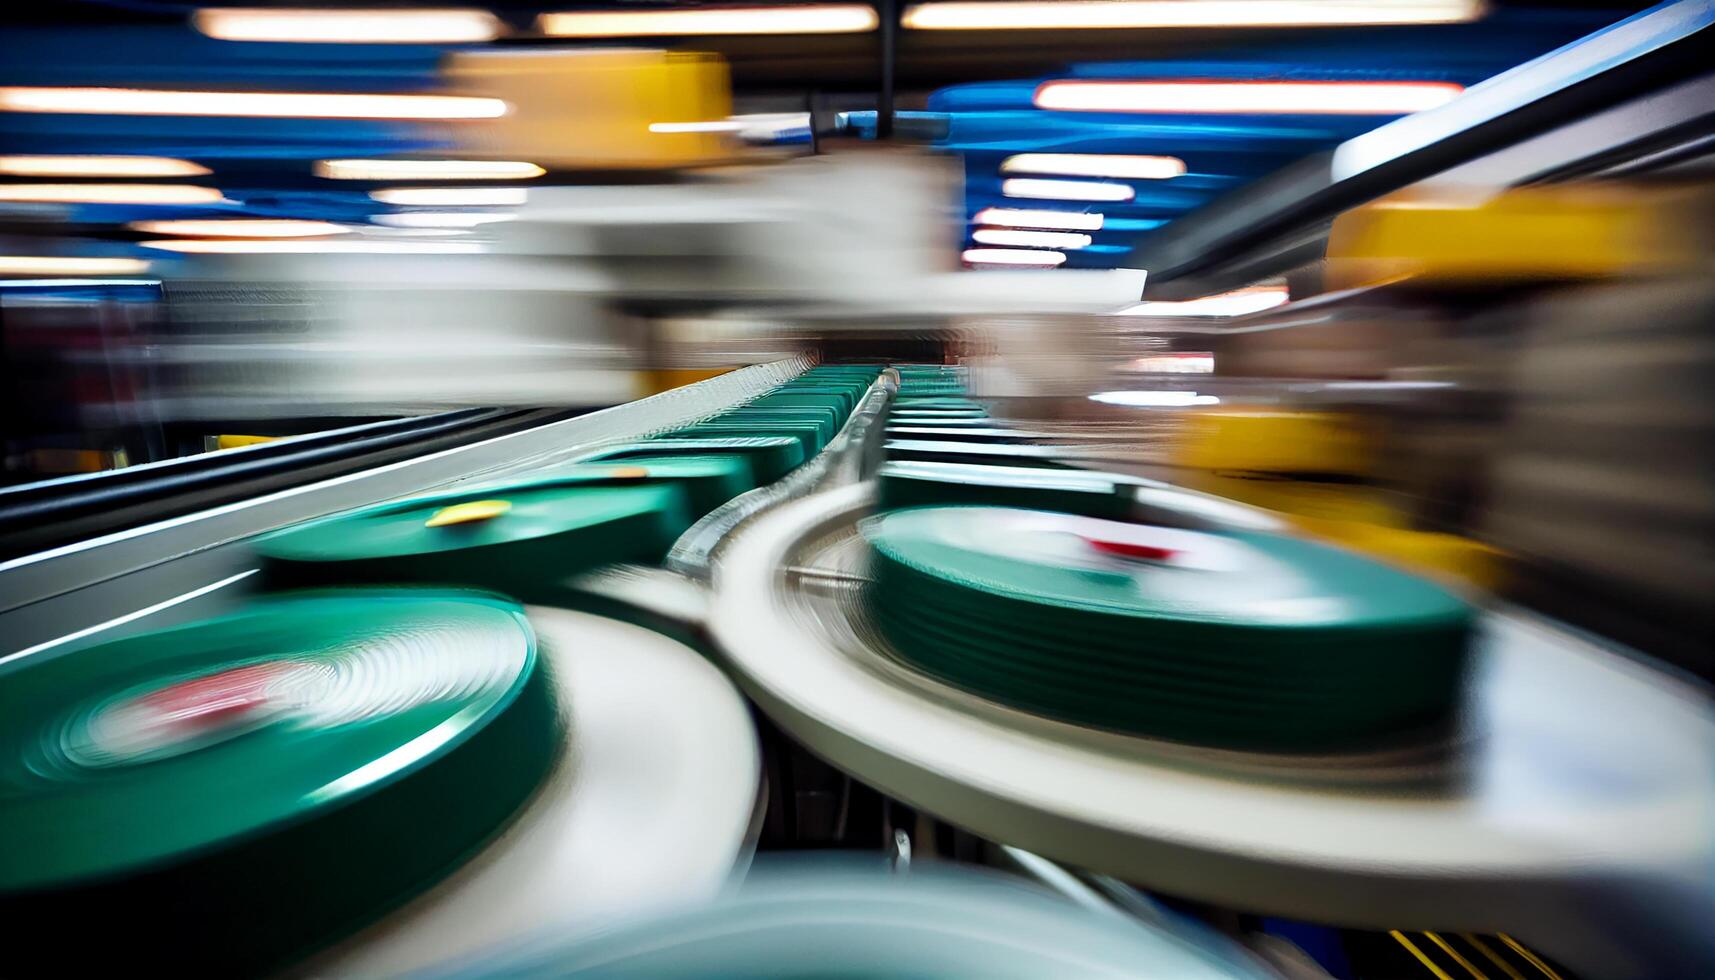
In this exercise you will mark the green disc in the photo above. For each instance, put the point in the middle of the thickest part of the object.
(523, 538)
(771, 457)
(1238, 639)
(806, 433)
(228, 795)
(826, 421)
(708, 481)
(841, 402)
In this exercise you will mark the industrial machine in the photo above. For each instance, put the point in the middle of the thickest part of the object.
(747, 553)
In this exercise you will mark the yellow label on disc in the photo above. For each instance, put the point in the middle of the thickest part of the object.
(628, 472)
(468, 512)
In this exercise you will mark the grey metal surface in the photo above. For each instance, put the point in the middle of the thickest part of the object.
(1577, 813)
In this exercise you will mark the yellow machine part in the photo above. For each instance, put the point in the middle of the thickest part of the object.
(233, 442)
(666, 379)
(591, 109)
(1274, 441)
(1252, 456)
(1527, 233)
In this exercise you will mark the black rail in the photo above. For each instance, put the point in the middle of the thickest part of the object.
(38, 516)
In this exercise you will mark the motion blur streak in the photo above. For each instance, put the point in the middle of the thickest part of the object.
(1013, 256)
(1027, 218)
(403, 26)
(1065, 190)
(1030, 239)
(299, 246)
(53, 265)
(427, 170)
(98, 166)
(297, 105)
(710, 126)
(809, 19)
(452, 196)
(240, 228)
(1122, 14)
(441, 219)
(1235, 303)
(110, 193)
(1331, 98)
(1094, 165)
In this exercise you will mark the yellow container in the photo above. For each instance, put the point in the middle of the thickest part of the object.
(1274, 441)
(591, 109)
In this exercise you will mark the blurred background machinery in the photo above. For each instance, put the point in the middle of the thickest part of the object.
(1160, 487)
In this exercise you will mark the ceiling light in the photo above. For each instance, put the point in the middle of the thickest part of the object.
(240, 228)
(98, 166)
(76, 283)
(110, 193)
(1313, 98)
(453, 196)
(55, 265)
(1012, 256)
(802, 19)
(441, 219)
(1030, 239)
(1027, 218)
(427, 170)
(1236, 303)
(1094, 165)
(325, 26)
(276, 246)
(986, 15)
(302, 105)
(1065, 190)
(1154, 399)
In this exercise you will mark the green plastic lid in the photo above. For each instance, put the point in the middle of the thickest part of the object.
(229, 794)
(771, 457)
(523, 538)
(1235, 639)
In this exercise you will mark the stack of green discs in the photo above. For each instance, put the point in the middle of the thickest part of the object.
(1239, 640)
(775, 432)
(523, 537)
(908, 483)
(230, 795)
(770, 457)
